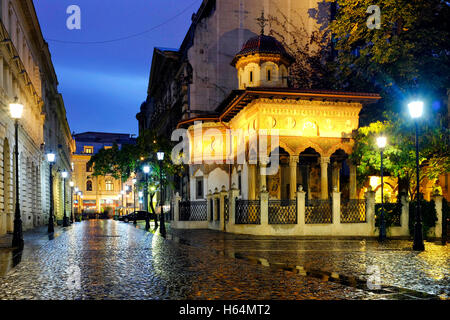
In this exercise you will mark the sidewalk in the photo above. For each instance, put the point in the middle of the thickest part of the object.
(350, 262)
(33, 240)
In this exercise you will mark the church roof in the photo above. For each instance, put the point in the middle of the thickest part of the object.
(262, 44)
(239, 99)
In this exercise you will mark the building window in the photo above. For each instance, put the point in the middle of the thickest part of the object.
(89, 185)
(89, 150)
(251, 76)
(88, 167)
(109, 185)
(268, 75)
(107, 147)
(199, 188)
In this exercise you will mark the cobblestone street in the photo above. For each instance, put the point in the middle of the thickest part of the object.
(105, 259)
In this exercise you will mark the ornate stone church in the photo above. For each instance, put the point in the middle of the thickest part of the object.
(313, 128)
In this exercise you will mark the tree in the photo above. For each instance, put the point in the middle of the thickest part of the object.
(399, 155)
(310, 49)
(409, 53)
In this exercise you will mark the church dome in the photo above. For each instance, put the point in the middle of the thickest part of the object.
(262, 44)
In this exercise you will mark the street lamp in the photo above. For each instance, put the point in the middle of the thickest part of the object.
(146, 170)
(381, 142)
(162, 229)
(71, 184)
(416, 111)
(16, 110)
(134, 194)
(51, 159)
(64, 175)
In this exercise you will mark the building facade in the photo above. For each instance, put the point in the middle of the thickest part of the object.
(98, 193)
(27, 73)
(193, 80)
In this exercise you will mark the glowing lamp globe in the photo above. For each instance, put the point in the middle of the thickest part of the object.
(71, 184)
(51, 157)
(146, 169)
(415, 109)
(16, 110)
(64, 174)
(381, 142)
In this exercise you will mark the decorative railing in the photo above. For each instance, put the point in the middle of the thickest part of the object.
(193, 211)
(248, 212)
(282, 211)
(226, 209)
(318, 211)
(353, 211)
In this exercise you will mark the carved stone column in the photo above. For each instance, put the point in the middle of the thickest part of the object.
(335, 176)
(263, 172)
(293, 161)
(324, 161)
(252, 181)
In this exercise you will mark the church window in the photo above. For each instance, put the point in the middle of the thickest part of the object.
(268, 75)
(251, 76)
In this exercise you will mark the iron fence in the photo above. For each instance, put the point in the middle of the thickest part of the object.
(282, 211)
(353, 211)
(248, 212)
(193, 211)
(226, 209)
(318, 211)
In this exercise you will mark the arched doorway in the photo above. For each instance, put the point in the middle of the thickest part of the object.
(309, 167)
(278, 184)
(340, 173)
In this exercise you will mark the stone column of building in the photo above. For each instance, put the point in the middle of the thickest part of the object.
(324, 161)
(352, 190)
(252, 181)
(293, 162)
(263, 172)
(335, 175)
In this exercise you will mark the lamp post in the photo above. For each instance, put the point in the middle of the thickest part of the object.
(64, 175)
(71, 184)
(162, 229)
(134, 194)
(381, 142)
(416, 111)
(51, 159)
(146, 170)
(123, 207)
(16, 110)
(141, 195)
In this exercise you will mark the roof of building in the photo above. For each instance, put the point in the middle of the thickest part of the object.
(239, 99)
(104, 137)
(262, 44)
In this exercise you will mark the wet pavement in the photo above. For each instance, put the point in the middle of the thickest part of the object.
(105, 259)
(353, 262)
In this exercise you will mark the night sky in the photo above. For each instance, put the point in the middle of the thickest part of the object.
(104, 84)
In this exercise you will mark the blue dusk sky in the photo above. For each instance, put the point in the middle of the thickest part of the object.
(104, 83)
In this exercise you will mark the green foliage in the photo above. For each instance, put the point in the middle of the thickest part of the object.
(121, 163)
(392, 213)
(428, 214)
(410, 52)
(399, 158)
